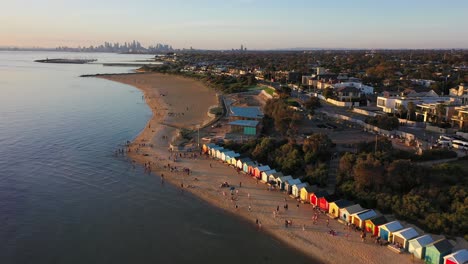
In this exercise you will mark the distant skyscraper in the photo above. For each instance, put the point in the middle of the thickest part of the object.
(242, 47)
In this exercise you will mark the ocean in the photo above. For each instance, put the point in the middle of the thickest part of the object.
(65, 197)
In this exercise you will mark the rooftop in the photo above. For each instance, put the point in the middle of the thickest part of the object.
(343, 203)
(442, 245)
(378, 220)
(422, 240)
(248, 112)
(367, 215)
(461, 256)
(407, 233)
(393, 226)
(354, 209)
(245, 123)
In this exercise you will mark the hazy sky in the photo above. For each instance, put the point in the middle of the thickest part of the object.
(225, 24)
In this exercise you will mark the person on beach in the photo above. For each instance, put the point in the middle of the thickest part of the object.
(328, 222)
(240, 184)
(277, 208)
(250, 208)
(248, 195)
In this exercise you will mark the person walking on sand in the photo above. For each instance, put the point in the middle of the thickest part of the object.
(211, 166)
(328, 222)
(240, 184)
(250, 208)
(277, 208)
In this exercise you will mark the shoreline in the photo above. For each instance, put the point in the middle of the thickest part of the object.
(172, 105)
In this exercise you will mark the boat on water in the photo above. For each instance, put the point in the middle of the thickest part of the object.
(69, 61)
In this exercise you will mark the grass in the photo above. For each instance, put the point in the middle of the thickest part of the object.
(269, 91)
(462, 163)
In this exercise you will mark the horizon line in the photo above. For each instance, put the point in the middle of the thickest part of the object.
(266, 49)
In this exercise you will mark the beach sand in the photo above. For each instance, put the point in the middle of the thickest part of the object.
(169, 96)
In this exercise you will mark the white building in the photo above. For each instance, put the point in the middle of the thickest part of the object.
(391, 104)
(320, 70)
(365, 89)
(461, 92)
(422, 82)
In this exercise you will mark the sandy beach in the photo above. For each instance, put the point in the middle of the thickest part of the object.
(178, 102)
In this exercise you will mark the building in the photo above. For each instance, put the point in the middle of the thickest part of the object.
(436, 251)
(257, 171)
(403, 236)
(429, 111)
(392, 104)
(422, 82)
(273, 177)
(247, 164)
(417, 246)
(227, 156)
(281, 181)
(460, 117)
(315, 196)
(324, 202)
(214, 151)
(265, 174)
(295, 190)
(460, 92)
(372, 224)
(358, 219)
(345, 213)
(288, 185)
(240, 162)
(320, 71)
(305, 193)
(348, 94)
(207, 147)
(364, 89)
(246, 113)
(386, 231)
(334, 207)
(459, 257)
(245, 127)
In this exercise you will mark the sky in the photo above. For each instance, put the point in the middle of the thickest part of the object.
(226, 24)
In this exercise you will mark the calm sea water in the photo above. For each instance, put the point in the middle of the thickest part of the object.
(64, 197)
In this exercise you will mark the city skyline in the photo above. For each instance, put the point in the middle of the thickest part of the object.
(257, 24)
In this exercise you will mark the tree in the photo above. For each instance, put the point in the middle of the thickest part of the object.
(411, 110)
(440, 113)
(402, 111)
(328, 93)
(262, 150)
(312, 104)
(368, 173)
(402, 176)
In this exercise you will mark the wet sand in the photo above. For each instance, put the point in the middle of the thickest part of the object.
(169, 96)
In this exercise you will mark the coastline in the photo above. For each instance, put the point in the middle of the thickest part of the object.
(178, 102)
